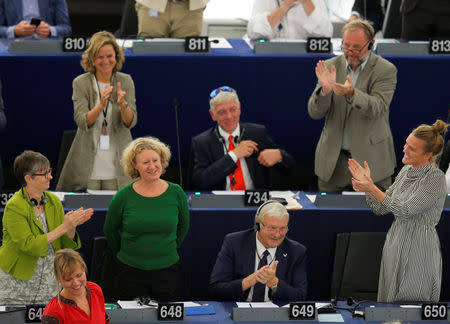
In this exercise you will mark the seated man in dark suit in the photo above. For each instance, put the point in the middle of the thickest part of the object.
(15, 18)
(262, 265)
(233, 155)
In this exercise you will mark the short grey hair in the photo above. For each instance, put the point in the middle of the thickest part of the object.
(272, 208)
(222, 97)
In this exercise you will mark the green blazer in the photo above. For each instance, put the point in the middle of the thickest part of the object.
(24, 239)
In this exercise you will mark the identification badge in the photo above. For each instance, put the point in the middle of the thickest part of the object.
(104, 142)
(153, 13)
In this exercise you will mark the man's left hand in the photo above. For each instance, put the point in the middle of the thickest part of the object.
(266, 274)
(345, 89)
(269, 157)
(43, 30)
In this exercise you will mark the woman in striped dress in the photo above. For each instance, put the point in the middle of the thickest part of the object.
(411, 265)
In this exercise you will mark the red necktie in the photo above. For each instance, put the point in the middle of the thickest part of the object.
(236, 178)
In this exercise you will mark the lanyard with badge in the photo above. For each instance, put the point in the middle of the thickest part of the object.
(104, 137)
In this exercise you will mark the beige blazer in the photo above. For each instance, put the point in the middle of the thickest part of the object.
(367, 119)
(80, 159)
(160, 5)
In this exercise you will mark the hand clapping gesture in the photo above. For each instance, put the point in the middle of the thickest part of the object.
(267, 273)
(121, 96)
(345, 89)
(361, 180)
(326, 78)
(105, 95)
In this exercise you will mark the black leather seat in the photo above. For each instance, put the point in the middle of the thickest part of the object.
(357, 265)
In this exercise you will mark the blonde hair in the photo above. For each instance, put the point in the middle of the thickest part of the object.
(136, 147)
(64, 262)
(431, 135)
(97, 41)
(360, 24)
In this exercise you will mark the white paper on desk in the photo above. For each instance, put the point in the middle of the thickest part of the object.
(125, 43)
(312, 198)
(131, 304)
(287, 40)
(191, 304)
(256, 305)
(222, 42)
(60, 194)
(228, 192)
(334, 318)
(318, 305)
(353, 193)
(101, 192)
(281, 194)
(168, 40)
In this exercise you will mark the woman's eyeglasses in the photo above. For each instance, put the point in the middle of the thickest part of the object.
(45, 174)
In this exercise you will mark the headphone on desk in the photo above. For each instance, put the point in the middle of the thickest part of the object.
(33, 202)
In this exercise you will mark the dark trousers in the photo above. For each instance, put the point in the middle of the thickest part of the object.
(160, 284)
(430, 18)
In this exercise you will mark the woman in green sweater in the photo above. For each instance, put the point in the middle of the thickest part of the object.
(146, 223)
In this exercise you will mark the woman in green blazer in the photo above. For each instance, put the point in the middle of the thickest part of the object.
(34, 227)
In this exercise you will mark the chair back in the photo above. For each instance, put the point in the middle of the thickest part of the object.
(357, 265)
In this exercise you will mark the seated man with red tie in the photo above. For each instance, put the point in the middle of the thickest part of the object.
(261, 264)
(233, 155)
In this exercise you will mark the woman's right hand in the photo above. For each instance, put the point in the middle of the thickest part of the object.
(104, 97)
(77, 217)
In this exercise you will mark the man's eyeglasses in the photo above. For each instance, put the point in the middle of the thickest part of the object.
(272, 229)
(45, 174)
(215, 92)
(354, 50)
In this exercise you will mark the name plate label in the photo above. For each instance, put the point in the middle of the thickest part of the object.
(318, 45)
(255, 197)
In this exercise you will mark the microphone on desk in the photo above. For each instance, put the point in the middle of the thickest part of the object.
(355, 312)
(175, 107)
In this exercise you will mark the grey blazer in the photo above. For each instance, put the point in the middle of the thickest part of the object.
(367, 119)
(80, 159)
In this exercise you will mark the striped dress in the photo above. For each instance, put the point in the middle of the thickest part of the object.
(411, 265)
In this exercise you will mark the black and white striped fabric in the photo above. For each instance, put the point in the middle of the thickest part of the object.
(411, 265)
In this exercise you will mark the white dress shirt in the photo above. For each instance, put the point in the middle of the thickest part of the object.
(295, 24)
(270, 259)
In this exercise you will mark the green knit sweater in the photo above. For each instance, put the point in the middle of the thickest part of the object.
(145, 232)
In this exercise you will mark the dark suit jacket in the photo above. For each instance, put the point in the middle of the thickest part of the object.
(370, 10)
(236, 260)
(53, 12)
(211, 166)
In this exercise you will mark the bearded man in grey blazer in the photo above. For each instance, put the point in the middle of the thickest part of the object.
(353, 94)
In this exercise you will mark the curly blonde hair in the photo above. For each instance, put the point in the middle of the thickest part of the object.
(97, 41)
(136, 147)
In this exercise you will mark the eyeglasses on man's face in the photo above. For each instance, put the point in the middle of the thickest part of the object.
(44, 174)
(356, 50)
(215, 92)
(273, 229)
